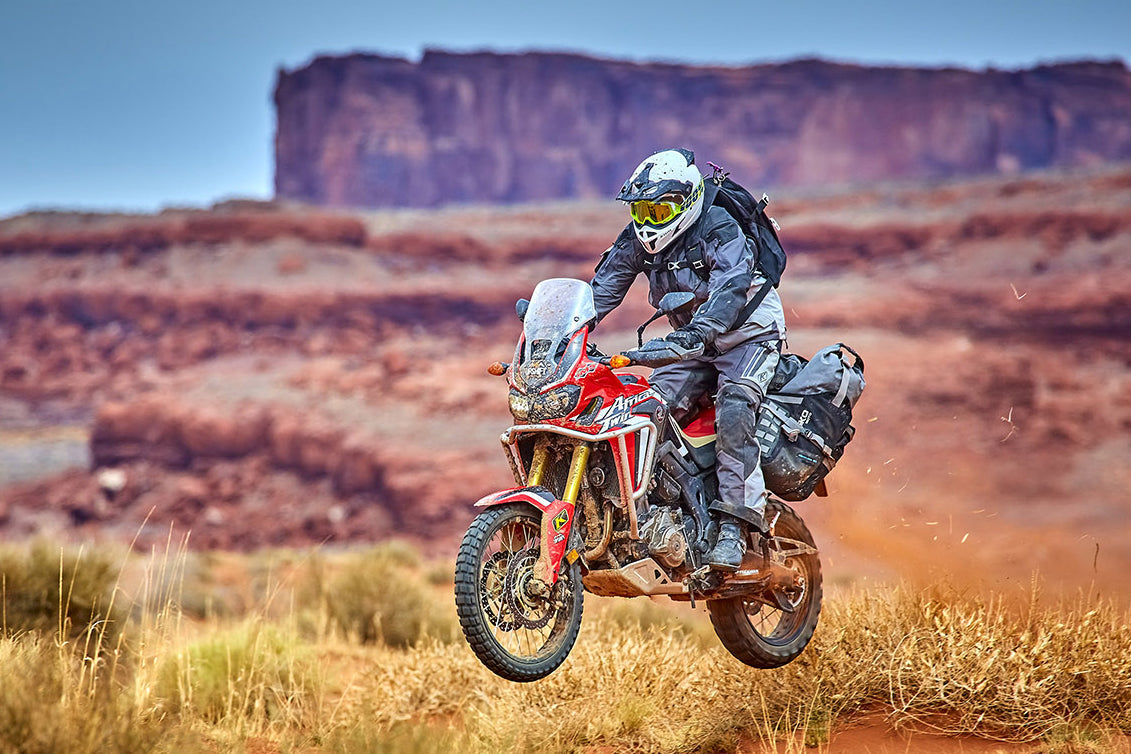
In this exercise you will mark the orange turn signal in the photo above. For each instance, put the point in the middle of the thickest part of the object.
(499, 368)
(618, 361)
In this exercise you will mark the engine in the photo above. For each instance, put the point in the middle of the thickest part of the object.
(663, 533)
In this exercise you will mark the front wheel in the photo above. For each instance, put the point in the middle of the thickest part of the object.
(762, 635)
(515, 629)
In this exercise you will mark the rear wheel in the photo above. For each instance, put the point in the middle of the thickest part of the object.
(515, 629)
(763, 635)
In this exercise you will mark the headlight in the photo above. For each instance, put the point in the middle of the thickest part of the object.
(520, 406)
(552, 404)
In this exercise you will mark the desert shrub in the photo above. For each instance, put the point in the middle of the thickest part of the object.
(1024, 670)
(48, 705)
(231, 586)
(951, 662)
(441, 573)
(403, 738)
(649, 616)
(1081, 738)
(642, 677)
(253, 676)
(1056, 671)
(70, 592)
(381, 595)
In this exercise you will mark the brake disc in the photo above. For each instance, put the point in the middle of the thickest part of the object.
(528, 611)
(493, 583)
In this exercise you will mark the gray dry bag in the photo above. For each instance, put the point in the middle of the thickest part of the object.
(804, 423)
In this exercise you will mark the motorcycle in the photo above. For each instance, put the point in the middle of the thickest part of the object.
(612, 499)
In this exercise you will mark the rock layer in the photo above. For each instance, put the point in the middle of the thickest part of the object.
(266, 377)
(370, 131)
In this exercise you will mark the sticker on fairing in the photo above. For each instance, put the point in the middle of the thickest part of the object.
(561, 519)
(619, 412)
(585, 370)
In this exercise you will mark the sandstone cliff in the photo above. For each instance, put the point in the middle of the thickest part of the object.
(270, 375)
(366, 130)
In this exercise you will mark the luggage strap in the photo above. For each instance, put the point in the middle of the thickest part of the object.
(792, 429)
(695, 258)
(842, 391)
(695, 262)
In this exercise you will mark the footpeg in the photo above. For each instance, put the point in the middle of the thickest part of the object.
(696, 579)
(703, 580)
(699, 573)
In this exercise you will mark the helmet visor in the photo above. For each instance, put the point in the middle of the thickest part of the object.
(654, 213)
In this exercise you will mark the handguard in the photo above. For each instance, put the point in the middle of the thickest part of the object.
(659, 352)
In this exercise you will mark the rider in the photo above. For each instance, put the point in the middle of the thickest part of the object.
(672, 213)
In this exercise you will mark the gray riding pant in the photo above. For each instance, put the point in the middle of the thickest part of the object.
(739, 378)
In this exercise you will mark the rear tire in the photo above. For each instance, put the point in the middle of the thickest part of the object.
(764, 636)
(512, 631)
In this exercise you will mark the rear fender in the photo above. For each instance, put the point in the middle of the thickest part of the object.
(557, 520)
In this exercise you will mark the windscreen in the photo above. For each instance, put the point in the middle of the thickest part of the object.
(558, 309)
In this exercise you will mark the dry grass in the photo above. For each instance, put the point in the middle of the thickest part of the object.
(290, 676)
(43, 587)
(381, 595)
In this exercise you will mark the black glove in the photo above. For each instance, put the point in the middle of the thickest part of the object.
(686, 338)
(659, 352)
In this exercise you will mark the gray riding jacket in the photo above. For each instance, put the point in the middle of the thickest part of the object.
(734, 279)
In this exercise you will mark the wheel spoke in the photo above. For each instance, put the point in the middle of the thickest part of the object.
(772, 623)
(754, 628)
(514, 627)
(521, 624)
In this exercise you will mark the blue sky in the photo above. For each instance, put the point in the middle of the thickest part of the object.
(122, 104)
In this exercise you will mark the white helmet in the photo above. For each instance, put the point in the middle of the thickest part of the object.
(665, 196)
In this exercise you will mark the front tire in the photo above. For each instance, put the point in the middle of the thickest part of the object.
(514, 632)
(764, 636)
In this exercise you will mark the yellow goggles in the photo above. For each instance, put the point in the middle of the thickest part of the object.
(654, 213)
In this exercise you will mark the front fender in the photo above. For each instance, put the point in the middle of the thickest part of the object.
(557, 521)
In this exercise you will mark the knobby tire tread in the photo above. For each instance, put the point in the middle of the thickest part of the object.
(471, 618)
(733, 628)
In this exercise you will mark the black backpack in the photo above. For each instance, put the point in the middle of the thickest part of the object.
(756, 224)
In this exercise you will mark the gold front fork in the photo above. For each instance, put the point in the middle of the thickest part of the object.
(577, 468)
(538, 463)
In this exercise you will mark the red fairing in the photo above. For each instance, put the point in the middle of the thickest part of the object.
(607, 403)
(557, 520)
(617, 397)
(536, 496)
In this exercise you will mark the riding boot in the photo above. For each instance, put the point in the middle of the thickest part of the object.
(730, 546)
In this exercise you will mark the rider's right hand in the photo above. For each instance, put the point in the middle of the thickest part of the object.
(660, 352)
(688, 338)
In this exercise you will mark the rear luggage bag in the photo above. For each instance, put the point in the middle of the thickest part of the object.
(805, 424)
